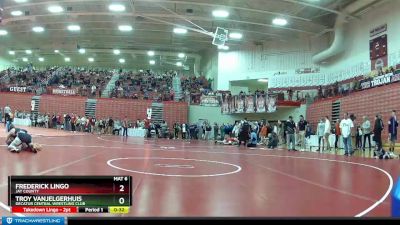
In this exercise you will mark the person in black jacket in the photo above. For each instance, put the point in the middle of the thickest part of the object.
(378, 131)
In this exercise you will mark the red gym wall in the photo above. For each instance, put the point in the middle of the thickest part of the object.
(17, 101)
(363, 103)
(119, 108)
(62, 104)
(176, 112)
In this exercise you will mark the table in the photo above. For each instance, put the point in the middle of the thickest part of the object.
(134, 132)
(312, 142)
(22, 122)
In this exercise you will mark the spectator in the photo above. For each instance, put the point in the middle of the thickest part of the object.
(366, 129)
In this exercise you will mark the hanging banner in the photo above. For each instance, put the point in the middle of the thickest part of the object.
(59, 91)
(17, 89)
(271, 104)
(260, 103)
(240, 104)
(225, 105)
(231, 101)
(206, 100)
(250, 104)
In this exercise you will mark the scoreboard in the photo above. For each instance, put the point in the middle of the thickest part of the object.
(72, 194)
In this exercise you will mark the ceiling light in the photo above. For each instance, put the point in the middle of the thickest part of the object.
(223, 47)
(181, 55)
(116, 52)
(38, 29)
(150, 53)
(125, 28)
(82, 51)
(263, 80)
(220, 13)
(180, 31)
(3, 32)
(28, 52)
(152, 62)
(11, 52)
(90, 59)
(235, 35)
(56, 51)
(16, 13)
(141, 71)
(179, 64)
(41, 59)
(74, 28)
(20, 1)
(279, 21)
(25, 59)
(116, 7)
(121, 60)
(67, 59)
(55, 9)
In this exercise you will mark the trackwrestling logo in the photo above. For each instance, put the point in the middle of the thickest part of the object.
(33, 220)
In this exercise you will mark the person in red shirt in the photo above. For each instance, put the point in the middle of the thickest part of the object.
(337, 133)
(59, 121)
(73, 121)
(125, 127)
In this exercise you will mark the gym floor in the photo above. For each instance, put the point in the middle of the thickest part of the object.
(180, 178)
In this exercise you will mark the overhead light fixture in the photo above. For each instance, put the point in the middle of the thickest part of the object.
(125, 28)
(121, 60)
(20, 1)
(67, 59)
(141, 71)
(41, 59)
(25, 59)
(152, 62)
(179, 64)
(263, 80)
(279, 21)
(223, 47)
(220, 13)
(116, 52)
(150, 53)
(3, 32)
(91, 59)
(235, 35)
(28, 52)
(116, 7)
(38, 29)
(17, 13)
(180, 31)
(55, 9)
(56, 51)
(11, 52)
(82, 51)
(181, 55)
(74, 28)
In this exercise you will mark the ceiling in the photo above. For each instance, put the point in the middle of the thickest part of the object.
(153, 22)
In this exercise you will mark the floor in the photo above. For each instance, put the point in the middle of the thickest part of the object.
(197, 178)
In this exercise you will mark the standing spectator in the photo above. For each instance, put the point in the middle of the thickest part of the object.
(73, 122)
(359, 135)
(264, 134)
(337, 133)
(7, 116)
(393, 124)
(184, 130)
(378, 131)
(222, 131)
(302, 132)
(290, 130)
(244, 133)
(280, 132)
(320, 133)
(125, 127)
(327, 133)
(345, 129)
(1, 115)
(207, 131)
(366, 129)
(215, 128)
(110, 125)
(176, 130)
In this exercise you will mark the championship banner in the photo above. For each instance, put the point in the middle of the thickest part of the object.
(380, 80)
(271, 101)
(260, 103)
(240, 105)
(378, 52)
(250, 104)
(17, 89)
(206, 100)
(225, 105)
(231, 101)
(65, 92)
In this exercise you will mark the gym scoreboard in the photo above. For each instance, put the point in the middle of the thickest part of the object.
(69, 194)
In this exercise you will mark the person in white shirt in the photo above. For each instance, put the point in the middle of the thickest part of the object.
(345, 127)
(327, 132)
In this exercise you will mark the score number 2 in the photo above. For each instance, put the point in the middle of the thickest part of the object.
(121, 189)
